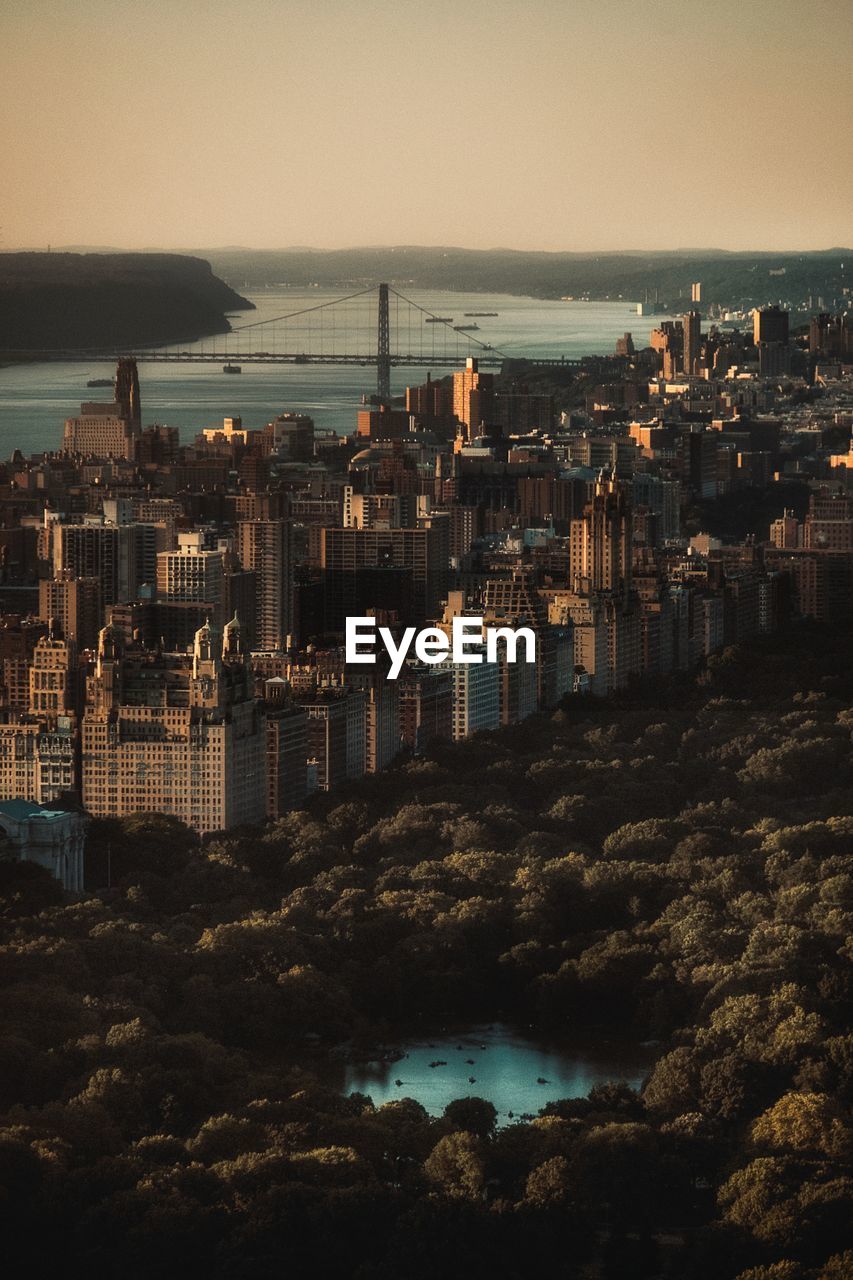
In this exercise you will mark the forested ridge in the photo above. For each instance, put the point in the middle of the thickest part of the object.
(727, 277)
(672, 864)
(109, 300)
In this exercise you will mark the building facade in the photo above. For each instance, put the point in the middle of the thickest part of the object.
(175, 733)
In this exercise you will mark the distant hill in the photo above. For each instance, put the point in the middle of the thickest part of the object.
(727, 278)
(120, 300)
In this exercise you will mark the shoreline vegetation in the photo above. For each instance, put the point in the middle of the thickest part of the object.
(672, 864)
(734, 279)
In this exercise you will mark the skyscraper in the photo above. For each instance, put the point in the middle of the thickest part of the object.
(472, 392)
(193, 573)
(76, 605)
(122, 556)
(691, 324)
(770, 324)
(600, 542)
(264, 547)
(422, 551)
(668, 340)
(127, 391)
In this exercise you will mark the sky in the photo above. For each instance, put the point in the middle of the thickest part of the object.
(551, 124)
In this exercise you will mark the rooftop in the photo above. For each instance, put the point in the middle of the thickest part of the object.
(20, 810)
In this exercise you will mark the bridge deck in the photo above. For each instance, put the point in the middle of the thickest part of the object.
(491, 360)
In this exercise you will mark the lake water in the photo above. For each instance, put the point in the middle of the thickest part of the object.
(515, 1073)
(35, 399)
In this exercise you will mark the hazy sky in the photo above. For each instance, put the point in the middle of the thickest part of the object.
(551, 124)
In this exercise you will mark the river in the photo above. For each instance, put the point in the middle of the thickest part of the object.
(516, 1072)
(35, 399)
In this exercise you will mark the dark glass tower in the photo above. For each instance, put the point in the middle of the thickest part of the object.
(127, 391)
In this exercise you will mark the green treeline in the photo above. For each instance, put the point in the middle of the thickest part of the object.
(674, 864)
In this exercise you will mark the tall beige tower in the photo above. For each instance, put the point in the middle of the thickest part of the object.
(471, 395)
(264, 547)
(600, 542)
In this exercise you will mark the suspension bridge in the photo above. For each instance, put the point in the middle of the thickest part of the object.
(375, 326)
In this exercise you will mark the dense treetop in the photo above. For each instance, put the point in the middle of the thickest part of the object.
(672, 865)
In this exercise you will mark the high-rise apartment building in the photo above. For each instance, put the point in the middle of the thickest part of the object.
(426, 705)
(831, 337)
(287, 748)
(292, 437)
(99, 431)
(38, 747)
(264, 547)
(335, 736)
(422, 551)
(770, 333)
(378, 510)
(785, 532)
(193, 573)
(476, 694)
(111, 429)
(18, 639)
(75, 604)
(829, 522)
(382, 734)
(606, 639)
(661, 496)
(53, 677)
(668, 341)
(122, 556)
(175, 733)
(472, 393)
(600, 542)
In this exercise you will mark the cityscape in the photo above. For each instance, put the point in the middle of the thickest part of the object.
(426, 617)
(174, 612)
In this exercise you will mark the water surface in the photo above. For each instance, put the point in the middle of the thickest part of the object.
(516, 1073)
(35, 399)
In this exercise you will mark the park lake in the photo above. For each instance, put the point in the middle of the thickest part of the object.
(514, 1070)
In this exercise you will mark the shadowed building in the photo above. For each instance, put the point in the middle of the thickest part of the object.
(426, 705)
(127, 391)
(76, 604)
(692, 338)
(287, 748)
(52, 838)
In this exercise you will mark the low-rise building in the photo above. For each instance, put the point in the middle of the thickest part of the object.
(52, 838)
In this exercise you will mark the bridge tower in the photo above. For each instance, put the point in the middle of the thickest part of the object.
(383, 354)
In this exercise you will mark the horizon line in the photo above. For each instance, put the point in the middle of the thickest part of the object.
(189, 250)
